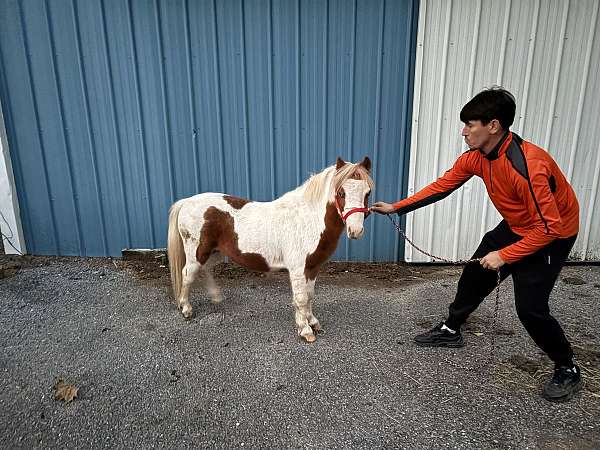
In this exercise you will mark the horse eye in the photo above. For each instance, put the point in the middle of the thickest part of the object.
(342, 194)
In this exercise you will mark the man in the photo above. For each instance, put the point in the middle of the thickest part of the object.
(541, 222)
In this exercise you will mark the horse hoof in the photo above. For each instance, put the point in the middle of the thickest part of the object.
(310, 338)
(187, 312)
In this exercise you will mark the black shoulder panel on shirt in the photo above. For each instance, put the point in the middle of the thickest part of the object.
(515, 155)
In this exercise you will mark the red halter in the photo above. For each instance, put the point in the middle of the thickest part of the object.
(343, 216)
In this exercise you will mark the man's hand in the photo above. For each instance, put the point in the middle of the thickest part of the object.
(492, 261)
(382, 207)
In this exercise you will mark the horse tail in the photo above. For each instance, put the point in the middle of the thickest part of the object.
(175, 250)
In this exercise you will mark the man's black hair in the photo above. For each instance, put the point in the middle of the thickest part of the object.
(494, 103)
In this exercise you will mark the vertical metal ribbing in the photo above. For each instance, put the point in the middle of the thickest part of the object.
(594, 192)
(39, 133)
(88, 118)
(164, 99)
(217, 75)
(245, 97)
(532, 38)
(561, 45)
(351, 102)
(440, 113)
(115, 122)
(191, 92)
(61, 118)
(141, 121)
(408, 255)
(377, 133)
(298, 110)
(271, 103)
(582, 91)
(325, 82)
(499, 74)
(470, 83)
(591, 207)
(503, 43)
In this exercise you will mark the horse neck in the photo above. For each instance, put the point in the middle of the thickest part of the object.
(318, 206)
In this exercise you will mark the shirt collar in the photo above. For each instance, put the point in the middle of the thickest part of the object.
(500, 146)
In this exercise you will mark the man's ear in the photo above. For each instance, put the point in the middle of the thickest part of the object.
(494, 126)
(339, 163)
(366, 163)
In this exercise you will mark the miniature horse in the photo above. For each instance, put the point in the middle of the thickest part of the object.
(298, 231)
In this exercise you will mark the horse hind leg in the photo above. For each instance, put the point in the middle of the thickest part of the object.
(214, 291)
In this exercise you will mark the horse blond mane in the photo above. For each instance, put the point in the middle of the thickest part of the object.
(319, 186)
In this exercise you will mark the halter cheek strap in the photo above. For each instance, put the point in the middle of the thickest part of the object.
(343, 216)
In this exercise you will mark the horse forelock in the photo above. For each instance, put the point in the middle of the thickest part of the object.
(351, 171)
(324, 184)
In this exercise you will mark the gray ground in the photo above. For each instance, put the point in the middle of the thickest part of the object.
(237, 376)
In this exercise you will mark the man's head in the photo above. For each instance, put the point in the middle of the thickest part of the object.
(487, 117)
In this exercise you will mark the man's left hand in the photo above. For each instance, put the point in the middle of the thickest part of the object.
(492, 261)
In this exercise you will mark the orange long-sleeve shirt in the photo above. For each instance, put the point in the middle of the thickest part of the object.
(525, 185)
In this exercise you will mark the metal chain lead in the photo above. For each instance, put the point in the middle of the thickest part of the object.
(456, 263)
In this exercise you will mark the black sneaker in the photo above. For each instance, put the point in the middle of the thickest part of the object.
(440, 338)
(565, 382)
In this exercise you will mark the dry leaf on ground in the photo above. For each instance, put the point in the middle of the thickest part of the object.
(65, 392)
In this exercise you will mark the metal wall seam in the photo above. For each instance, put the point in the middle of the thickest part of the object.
(351, 103)
(191, 93)
(377, 119)
(324, 162)
(244, 75)
(63, 128)
(532, 40)
(88, 119)
(142, 128)
(563, 29)
(39, 131)
(217, 74)
(271, 102)
(459, 209)
(406, 108)
(298, 89)
(586, 71)
(415, 129)
(115, 123)
(165, 101)
(440, 113)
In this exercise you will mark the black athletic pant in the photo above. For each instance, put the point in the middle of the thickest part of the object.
(533, 279)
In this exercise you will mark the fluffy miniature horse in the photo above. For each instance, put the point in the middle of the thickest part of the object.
(298, 231)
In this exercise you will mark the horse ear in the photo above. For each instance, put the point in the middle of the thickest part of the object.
(339, 163)
(366, 163)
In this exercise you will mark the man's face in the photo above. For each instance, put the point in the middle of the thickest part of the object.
(478, 135)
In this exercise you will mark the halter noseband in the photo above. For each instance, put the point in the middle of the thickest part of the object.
(343, 216)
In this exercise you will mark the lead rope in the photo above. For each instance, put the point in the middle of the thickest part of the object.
(457, 263)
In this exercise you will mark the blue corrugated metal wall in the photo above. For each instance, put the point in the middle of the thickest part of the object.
(116, 108)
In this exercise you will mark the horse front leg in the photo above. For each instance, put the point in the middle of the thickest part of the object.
(301, 304)
(312, 319)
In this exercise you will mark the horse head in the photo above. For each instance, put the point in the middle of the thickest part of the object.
(352, 186)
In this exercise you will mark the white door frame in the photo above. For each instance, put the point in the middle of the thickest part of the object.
(10, 219)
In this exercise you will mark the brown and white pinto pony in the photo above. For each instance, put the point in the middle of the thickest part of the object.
(298, 231)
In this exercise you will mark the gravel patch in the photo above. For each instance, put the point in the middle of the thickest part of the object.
(236, 375)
